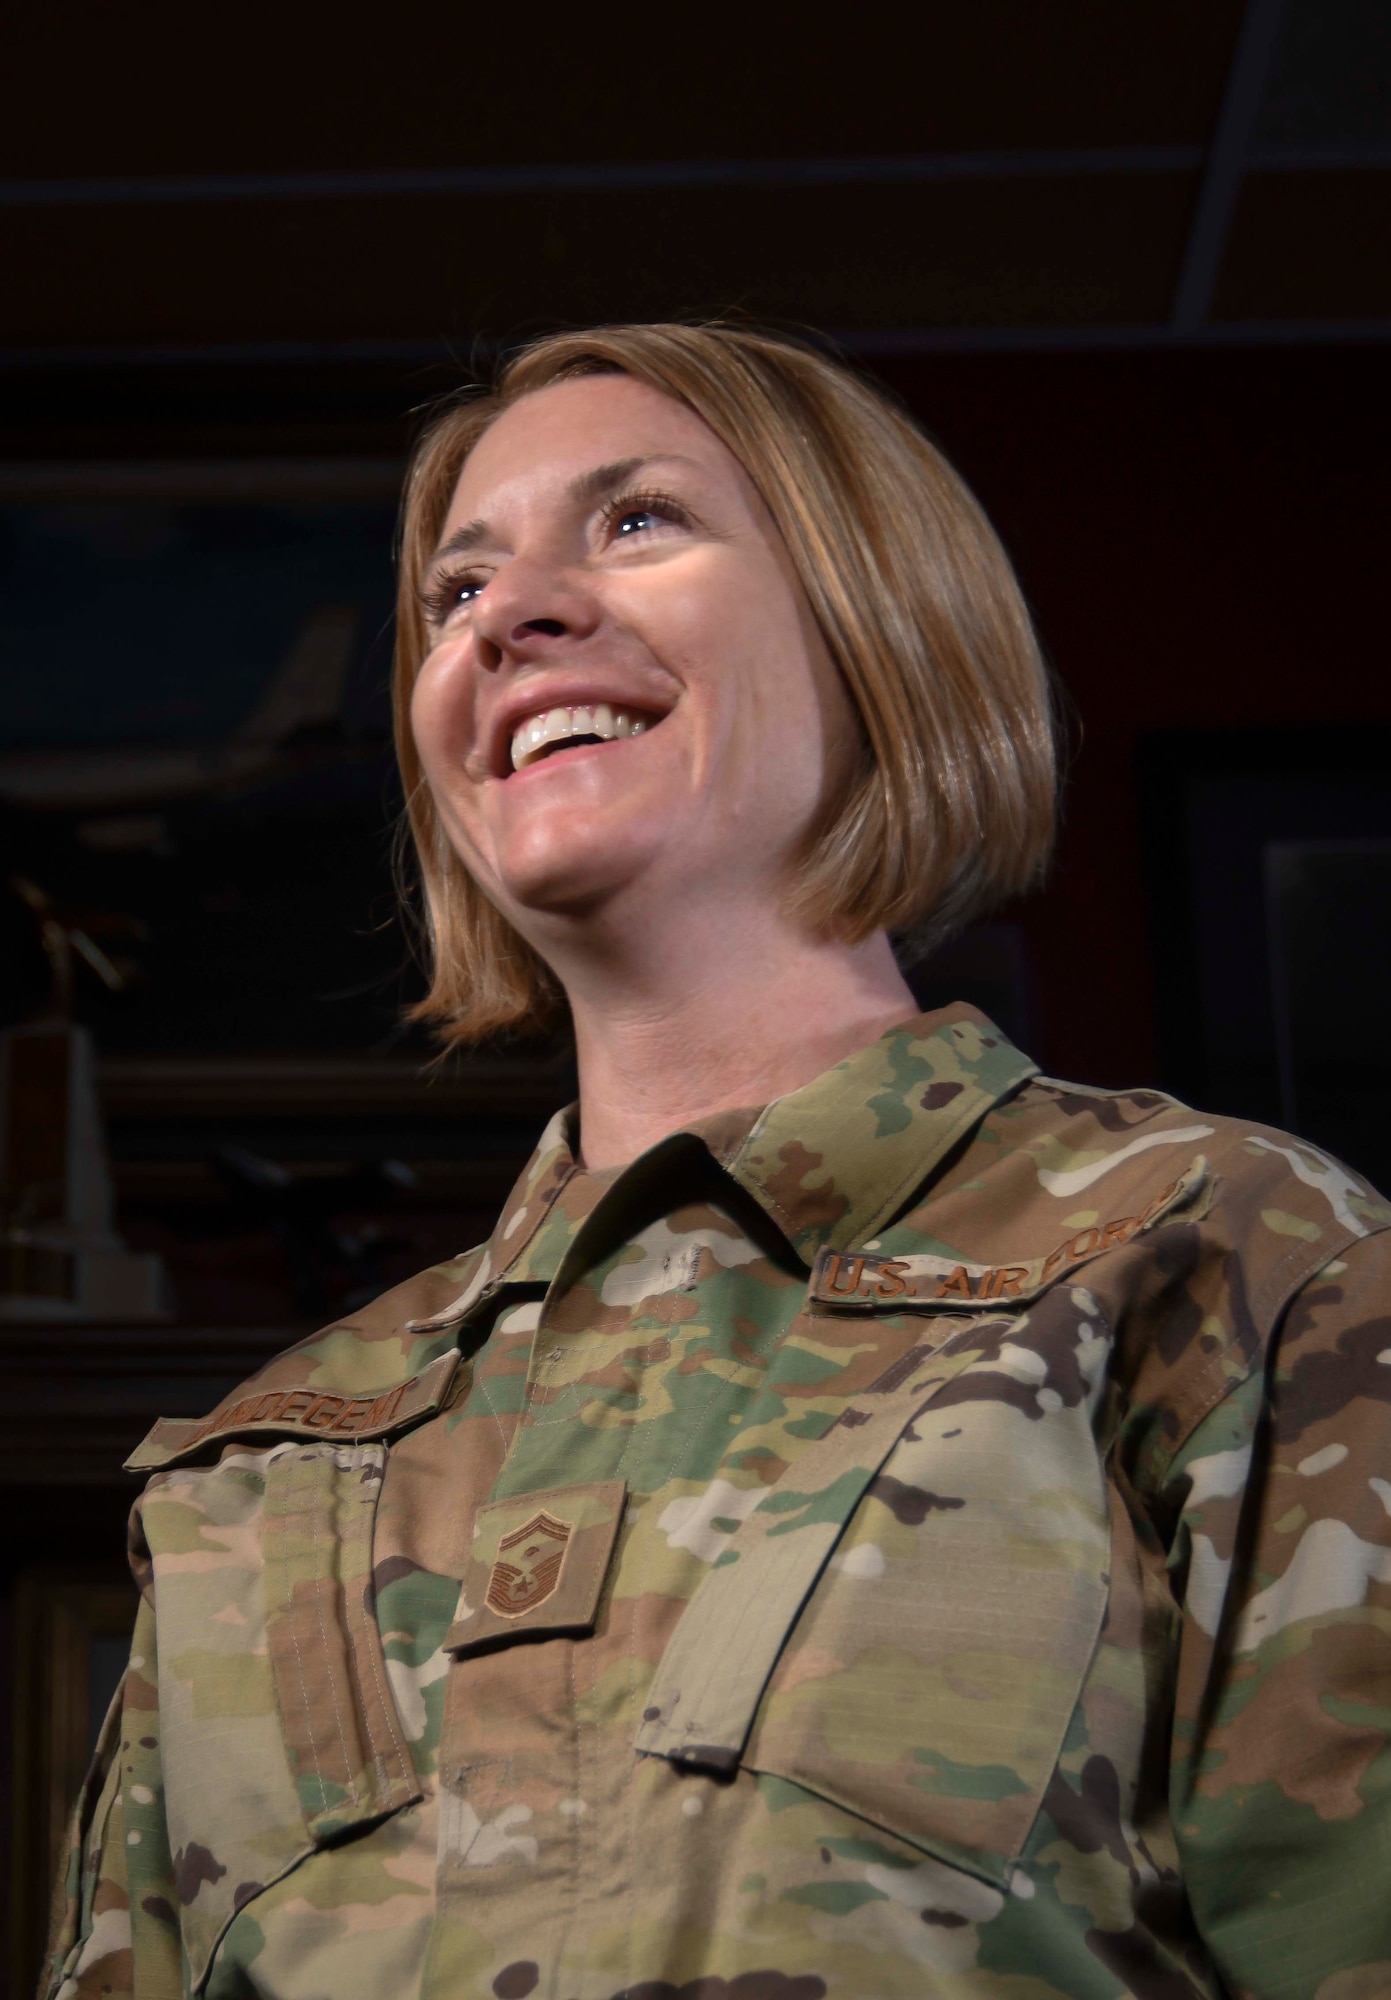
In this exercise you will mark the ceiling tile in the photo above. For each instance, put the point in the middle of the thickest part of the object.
(1332, 77)
(1309, 246)
(282, 90)
(1007, 252)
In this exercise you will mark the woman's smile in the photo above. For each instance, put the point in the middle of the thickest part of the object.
(555, 711)
(557, 729)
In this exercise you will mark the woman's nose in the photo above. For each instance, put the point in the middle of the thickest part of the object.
(527, 614)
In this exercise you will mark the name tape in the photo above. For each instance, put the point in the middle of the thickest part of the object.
(305, 1413)
(861, 1280)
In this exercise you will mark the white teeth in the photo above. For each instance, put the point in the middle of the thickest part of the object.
(532, 738)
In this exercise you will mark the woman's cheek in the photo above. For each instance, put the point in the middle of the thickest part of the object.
(441, 709)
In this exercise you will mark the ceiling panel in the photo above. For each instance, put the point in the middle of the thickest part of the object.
(1309, 246)
(1044, 251)
(1016, 216)
(1331, 80)
(288, 89)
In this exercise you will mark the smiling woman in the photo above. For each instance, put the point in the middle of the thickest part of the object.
(872, 1521)
(941, 799)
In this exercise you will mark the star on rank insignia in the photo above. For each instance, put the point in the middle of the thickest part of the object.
(527, 1566)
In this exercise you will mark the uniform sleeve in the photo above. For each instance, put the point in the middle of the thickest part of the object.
(115, 1931)
(1281, 1773)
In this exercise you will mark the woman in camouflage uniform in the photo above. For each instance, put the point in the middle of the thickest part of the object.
(873, 1521)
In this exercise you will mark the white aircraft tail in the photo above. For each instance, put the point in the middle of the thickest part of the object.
(307, 689)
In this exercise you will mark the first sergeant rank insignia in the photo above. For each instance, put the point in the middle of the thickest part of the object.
(526, 1569)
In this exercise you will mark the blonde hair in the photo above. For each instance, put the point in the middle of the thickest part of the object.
(951, 804)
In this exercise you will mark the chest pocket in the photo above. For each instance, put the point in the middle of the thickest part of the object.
(904, 1624)
(278, 1730)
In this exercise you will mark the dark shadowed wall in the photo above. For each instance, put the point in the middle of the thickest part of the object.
(1204, 537)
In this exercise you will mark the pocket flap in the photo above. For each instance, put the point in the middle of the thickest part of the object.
(701, 1704)
(277, 1731)
(904, 1623)
(538, 1564)
(348, 1754)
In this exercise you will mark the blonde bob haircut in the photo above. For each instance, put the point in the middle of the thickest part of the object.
(950, 805)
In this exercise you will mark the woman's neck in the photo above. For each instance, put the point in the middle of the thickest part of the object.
(722, 1028)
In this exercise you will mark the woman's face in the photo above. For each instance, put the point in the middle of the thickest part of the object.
(626, 704)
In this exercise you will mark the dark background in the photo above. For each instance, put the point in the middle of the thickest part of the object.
(1128, 265)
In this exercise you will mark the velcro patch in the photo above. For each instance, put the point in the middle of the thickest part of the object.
(862, 1282)
(538, 1565)
(300, 1412)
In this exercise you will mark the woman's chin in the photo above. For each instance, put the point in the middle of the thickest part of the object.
(571, 886)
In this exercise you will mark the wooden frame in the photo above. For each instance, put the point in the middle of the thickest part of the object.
(71, 1629)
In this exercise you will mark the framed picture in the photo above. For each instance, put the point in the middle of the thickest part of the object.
(71, 1636)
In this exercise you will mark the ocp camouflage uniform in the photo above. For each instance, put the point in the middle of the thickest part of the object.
(929, 1537)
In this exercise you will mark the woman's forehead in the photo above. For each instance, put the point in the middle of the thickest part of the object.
(547, 440)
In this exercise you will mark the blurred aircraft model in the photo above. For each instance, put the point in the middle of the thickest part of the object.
(303, 700)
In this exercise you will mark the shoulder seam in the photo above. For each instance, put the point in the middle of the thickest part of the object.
(1268, 1319)
(1307, 1260)
(1222, 1386)
(1100, 1091)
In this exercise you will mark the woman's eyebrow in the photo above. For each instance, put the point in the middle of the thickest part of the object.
(471, 536)
(605, 479)
(590, 486)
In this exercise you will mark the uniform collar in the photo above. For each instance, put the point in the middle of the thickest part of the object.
(829, 1163)
(546, 1173)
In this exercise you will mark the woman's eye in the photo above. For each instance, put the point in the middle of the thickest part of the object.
(449, 594)
(453, 593)
(635, 520)
(639, 513)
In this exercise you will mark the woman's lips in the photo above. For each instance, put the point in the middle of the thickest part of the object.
(540, 733)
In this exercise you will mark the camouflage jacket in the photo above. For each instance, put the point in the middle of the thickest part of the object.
(931, 1536)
